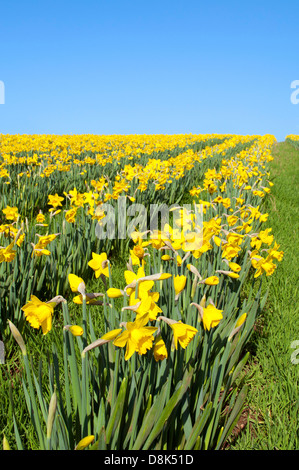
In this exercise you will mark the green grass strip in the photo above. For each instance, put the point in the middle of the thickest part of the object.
(271, 409)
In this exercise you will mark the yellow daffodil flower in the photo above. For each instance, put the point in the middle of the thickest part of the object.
(7, 254)
(211, 316)
(136, 338)
(39, 314)
(182, 333)
(11, 213)
(55, 200)
(99, 264)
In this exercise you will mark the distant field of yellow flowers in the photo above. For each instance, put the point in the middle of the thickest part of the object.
(161, 373)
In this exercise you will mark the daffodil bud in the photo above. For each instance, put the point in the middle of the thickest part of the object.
(85, 442)
(211, 281)
(179, 284)
(114, 293)
(18, 337)
(76, 330)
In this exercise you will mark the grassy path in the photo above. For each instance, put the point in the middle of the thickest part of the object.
(271, 417)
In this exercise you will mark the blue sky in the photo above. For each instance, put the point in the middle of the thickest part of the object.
(134, 67)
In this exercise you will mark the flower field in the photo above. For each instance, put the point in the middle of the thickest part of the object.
(293, 139)
(150, 357)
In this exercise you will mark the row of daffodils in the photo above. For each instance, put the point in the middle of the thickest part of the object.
(161, 371)
(293, 139)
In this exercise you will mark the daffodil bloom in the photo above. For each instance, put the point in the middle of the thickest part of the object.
(20, 239)
(232, 219)
(11, 213)
(234, 238)
(263, 217)
(206, 246)
(8, 230)
(136, 338)
(182, 333)
(137, 254)
(40, 248)
(76, 198)
(265, 236)
(4, 172)
(262, 264)
(160, 351)
(99, 264)
(40, 218)
(143, 285)
(7, 254)
(255, 213)
(39, 314)
(70, 215)
(258, 193)
(146, 306)
(97, 213)
(274, 253)
(157, 242)
(256, 243)
(46, 239)
(55, 200)
(192, 241)
(226, 202)
(230, 251)
(211, 316)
